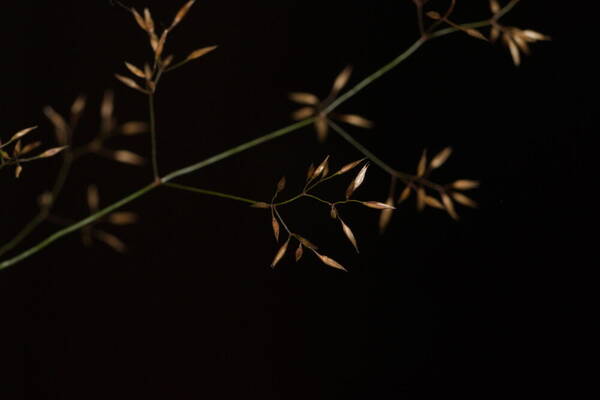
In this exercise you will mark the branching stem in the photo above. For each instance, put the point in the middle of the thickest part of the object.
(253, 143)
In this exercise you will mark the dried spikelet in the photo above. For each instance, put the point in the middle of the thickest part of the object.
(449, 205)
(123, 218)
(405, 194)
(61, 128)
(28, 148)
(17, 149)
(280, 253)
(139, 19)
(303, 113)
(299, 252)
(51, 152)
(18, 171)
(260, 204)
(322, 127)
(310, 172)
(433, 202)
(421, 198)
(182, 13)
(304, 98)
(160, 45)
(148, 21)
(341, 80)
(494, 6)
(378, 205)
(533, 36)
(45, 199)
(275, 226)
(465, 184)
(349, 234)
(134, 128)
(111, 240)
(107, 107)
(464, 200)
(357, 181)
(167, 61)
(422, 166)
(131, 83)
(135, 70)
(307, 243)
(440, 158)
(127, 157)
(281, 184)
(325, 171)
(475, 33)
(434, 15)
(22, 133)
(93, 198)
(333, 212)
(200, 52)
(78, 105)
(320, 168)
(386, 215)
(355, 120)
(330, 262)
(514, 50)
(349, 166)
(494, 33)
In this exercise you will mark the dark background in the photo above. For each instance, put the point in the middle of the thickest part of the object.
(477, 307)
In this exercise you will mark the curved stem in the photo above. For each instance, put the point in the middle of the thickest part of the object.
(153, 135)
(404, 177)
(237, 149)
(45, 209)
(210, 193)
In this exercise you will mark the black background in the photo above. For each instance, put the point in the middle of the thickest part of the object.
(193, 310)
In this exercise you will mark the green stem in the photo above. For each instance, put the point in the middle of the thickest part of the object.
(153, 136)
(210, 193)
(76, 226)
(238, 149)
(404, 177)
(374, 76)
(43, 213)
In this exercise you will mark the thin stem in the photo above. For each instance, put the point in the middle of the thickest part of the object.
(72, 228)
(153, 136)
(404, 177)
(318, 199)
(45, 209)
(238, 149)
(374, 76)
(210, 193)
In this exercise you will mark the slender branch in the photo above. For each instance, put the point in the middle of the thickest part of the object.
(45, 209)
(238, 149)
(374, 76)
(404, 177)
(210, 193)
(153, 135)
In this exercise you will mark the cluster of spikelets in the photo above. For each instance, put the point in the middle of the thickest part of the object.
(314, 107)
(314, 177)
(64, 128)
(21, 153)
(152, 71)
(516, 39)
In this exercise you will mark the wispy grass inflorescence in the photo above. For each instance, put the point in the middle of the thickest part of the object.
(145, 77)
(316, 176)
